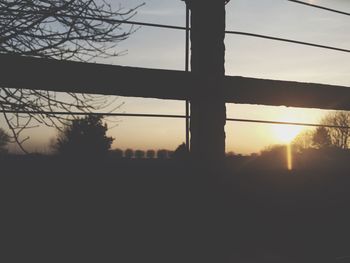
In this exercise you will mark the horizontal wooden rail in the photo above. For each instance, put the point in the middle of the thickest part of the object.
(287, 93)
(68, 76)
(79, 77)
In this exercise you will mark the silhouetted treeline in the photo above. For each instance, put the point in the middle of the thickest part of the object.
(275, 157)
(141, 154)
(179, 153)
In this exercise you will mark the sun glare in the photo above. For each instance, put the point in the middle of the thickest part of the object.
(286, 133)
(289, 158)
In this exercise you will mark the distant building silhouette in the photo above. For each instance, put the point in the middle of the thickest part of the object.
(129, 153)
(139, 154)
(150, 154)
(162, 154)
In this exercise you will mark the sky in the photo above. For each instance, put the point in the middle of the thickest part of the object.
(245, 56)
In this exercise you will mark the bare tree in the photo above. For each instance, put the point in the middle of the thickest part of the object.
(340, 136)
(303, 141)
(59, 29)
(321, 138)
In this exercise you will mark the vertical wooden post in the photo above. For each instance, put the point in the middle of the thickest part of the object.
(187, 69)
(208, 111)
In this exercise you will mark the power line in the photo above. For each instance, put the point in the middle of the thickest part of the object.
(289, 123)
(288, 40)
(144, 115)
(320, 7)
(110, 20)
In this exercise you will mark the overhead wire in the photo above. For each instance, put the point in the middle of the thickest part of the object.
(173, 116)
(131, 22)
(288, 40)
(320, 7)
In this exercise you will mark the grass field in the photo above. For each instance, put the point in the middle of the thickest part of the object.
(160, 211)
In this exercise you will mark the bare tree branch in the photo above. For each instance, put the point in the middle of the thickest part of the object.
(60, 29)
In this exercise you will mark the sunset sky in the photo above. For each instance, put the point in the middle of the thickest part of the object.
(245, 56)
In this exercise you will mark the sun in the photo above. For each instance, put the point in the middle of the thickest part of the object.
(286, 133)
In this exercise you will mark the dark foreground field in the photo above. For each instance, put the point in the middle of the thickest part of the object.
(160, 211)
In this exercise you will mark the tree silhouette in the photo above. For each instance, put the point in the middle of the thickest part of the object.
(181, 152)
(321, 138)
(340, 137)
(117, 153)
(4, 140)
(275, 156)
(150, 154)
(129, 153)
(139, 154)
(85, 137)
(162, 154)
(77, 29)
(303, 141)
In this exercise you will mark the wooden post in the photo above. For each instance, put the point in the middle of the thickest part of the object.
(208, 111)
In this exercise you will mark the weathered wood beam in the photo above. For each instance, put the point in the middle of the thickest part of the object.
(64, 76)
(78, 77)
(208, 108)
(286, 93)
